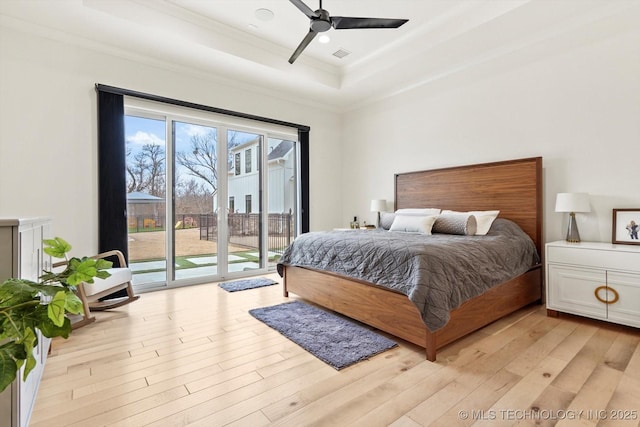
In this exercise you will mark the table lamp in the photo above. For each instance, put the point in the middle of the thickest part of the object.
(572, 203)
(378, 205)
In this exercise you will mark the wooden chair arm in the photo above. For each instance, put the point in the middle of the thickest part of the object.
(59, 264)
(114, 252)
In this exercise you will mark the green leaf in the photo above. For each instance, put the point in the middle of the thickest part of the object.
(55, 309)
(49, 276)
(50, 330)
(82, 271)
(52, 290)
(57, 247)
(102, 274)
(9, 353)
(29, 342)
(16, 320)
(73, 304)
(16, 291)
(103, 264)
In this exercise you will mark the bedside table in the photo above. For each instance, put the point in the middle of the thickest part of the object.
(354, 229)
(597, 280)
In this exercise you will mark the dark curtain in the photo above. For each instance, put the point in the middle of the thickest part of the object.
(303, 139)
(112, 187)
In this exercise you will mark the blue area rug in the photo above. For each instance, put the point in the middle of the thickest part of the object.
(241, 285)
(338, 341)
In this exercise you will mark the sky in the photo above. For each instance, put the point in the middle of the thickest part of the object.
(141, 130)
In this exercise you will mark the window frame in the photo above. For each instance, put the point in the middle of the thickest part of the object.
(112, 220)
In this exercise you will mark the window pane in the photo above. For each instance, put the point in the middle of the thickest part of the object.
(282, 196)
(195, 186)
(146, 201)
(247, 161)
(245, 222)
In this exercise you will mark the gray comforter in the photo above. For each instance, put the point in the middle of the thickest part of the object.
(437, 272)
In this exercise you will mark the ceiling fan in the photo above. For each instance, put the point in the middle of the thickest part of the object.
(321, 21)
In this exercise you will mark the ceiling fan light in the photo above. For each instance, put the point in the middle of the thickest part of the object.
(320, 26)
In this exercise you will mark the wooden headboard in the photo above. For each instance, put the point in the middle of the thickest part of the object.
(513, 187)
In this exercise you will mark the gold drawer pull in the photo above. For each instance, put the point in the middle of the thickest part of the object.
(616, 296)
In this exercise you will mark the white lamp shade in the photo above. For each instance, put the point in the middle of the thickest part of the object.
(378, 205)
(572, 202)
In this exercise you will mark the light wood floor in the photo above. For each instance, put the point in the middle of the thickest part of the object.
(194, 356)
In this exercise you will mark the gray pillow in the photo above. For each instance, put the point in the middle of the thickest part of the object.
(386, 219)
(455, 223)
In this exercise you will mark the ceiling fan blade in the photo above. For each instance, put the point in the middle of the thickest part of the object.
(346, 22)
(304, 8)
(303, 44)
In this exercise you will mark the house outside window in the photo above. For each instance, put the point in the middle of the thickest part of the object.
(237, 164)
(247, 161)
(247, 202)
(232, 204)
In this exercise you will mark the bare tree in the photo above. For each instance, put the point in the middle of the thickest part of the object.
(146, 171)
(193, 196)
(201, 161)
(156, 179)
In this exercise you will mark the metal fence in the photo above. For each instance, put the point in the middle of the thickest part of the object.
(244, 230)
(138, 223)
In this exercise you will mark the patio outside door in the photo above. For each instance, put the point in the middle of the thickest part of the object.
(194, 244)
(198, 198)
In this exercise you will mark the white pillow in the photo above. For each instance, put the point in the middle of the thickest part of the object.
(484, 219)
(418, 212)
(413, 223)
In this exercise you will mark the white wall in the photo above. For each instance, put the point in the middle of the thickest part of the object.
(48, 154)
(577, 107)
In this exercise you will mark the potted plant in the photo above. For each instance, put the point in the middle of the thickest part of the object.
(26, 305)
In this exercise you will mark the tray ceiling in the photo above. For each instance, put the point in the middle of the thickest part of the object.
(444, 40)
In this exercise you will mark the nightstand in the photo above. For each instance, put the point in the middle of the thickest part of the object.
(597, 280)
(354, 229)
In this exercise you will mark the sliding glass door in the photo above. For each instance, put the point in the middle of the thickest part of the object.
(244, 201)
(194, 187)
(282, 184)
(206, 199)
(146, 166)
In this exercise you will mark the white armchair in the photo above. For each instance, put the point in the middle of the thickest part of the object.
(91, 293)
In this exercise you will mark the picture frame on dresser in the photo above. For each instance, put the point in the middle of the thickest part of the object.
(626, 226)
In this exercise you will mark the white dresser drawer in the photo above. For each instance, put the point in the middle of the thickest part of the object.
(606, 259)
(573, 291)
(626, 309)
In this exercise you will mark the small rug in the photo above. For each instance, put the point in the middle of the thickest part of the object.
(330, 337)
(241, 285)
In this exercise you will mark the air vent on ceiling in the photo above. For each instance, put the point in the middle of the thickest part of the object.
(341, 53)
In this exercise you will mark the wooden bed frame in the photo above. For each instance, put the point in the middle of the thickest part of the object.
(514, 187)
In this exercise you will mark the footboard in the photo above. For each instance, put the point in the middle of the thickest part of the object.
(381, 308)
(395, 314)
